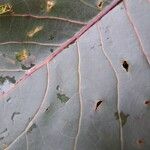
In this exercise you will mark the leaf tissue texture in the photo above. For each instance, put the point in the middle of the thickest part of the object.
(31, 30)
(94, 95)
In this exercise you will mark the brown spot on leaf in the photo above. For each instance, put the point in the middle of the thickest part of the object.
(140, 141)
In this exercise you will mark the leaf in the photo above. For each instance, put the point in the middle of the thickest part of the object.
(31, 31)
(102, 70)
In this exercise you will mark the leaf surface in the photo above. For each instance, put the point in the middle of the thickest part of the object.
(93, 95)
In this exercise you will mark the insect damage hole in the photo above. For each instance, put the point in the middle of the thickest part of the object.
(125, 65)
(140, 141)
(98, 104)
(100, 4)
(147, 102)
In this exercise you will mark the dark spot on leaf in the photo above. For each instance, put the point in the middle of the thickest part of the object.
(140, 141)
(31, 128)
(51, 50)
(2, 79)
(147, 102)
(122, 116)
(51, 37)
(14, 114)
(57, 88)
(27, 67)
(8, 99)
(125, 65)
(98, 104)
(62, 97)
(10, 79)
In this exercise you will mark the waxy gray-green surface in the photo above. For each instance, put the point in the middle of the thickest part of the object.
(56, 108)
(32, 27)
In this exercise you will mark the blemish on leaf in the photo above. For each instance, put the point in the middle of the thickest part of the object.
(14, 114)
(5, 8)
(57, 87)
(100, 4)
(2, 79)
(49, 5)
(10, 79)
(3, 134)
(22, 55)
(31, 128)
(147, 102)
(122, 116)
(51, 50)
(48, 109)
(62, 97)
(34, 31)
(125, 65)
(98, 104)
(51, 37)
(27, 67)
(8, 99)
(140, 141)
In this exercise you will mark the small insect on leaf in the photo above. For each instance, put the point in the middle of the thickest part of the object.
(22, 55)
(5, 8)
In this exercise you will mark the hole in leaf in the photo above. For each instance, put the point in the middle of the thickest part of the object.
(140, 141)
(125, 65)
(100, 4)
(147, 102)
(98, 104)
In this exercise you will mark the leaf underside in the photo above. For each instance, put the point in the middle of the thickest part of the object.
(56, 107)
